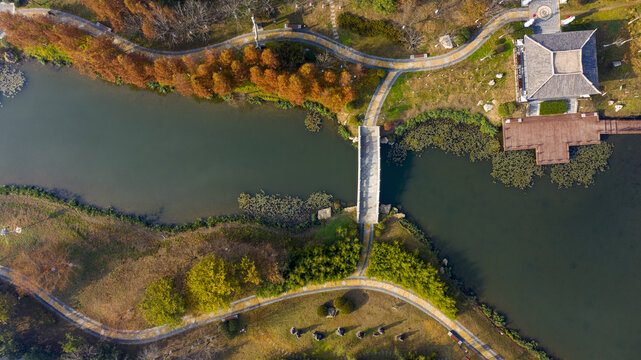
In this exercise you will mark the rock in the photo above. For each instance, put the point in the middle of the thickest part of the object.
(381, 330)
(445, 261)
(360, 334)
(500, 75)
(293, 331)
(384, 140)
(611, 102)
(480, 103)
(331, 312)
(325, 214)
(618, 107)
(340, 331)
(384, 208)
(400, 337)
(494, 102)
(492, 82)
(488, 107)
(10, 57)
(318, 336)
(446, 41)
(616, 63)
(376, 334)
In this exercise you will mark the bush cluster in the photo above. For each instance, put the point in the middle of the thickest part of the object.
(388, 261)
(343, 305)
(365, 27)
(322, 310)
(318, 264)
(508, 108)
(231, 328)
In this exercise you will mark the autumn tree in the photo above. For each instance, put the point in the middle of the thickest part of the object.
(329, 77)
(239, 71)
(251, 55)
(226, 57)
(113, 11)
(134, 69)
(296, 90)
(269, 59)
(222, 84)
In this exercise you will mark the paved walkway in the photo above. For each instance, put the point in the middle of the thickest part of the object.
(369, 172)
(237, 307)
(305, 36)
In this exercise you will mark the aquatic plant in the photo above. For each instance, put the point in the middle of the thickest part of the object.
(11, 80)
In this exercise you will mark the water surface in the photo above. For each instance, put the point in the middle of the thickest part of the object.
(562, 264)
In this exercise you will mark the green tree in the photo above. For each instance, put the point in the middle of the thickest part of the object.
(516, 168)
(343, 305)
(162, 303)
(71, 344)
(388, 261)
(210, 284)
(8, 343)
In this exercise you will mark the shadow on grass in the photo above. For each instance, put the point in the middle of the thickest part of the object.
(358, 297)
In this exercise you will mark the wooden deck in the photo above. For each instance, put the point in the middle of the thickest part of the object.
(551, 136)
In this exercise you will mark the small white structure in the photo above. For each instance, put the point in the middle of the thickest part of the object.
(7, 7)
(446, 41)
(488, 107)
(529, 23)
(616, 63)
(568, 20)
(618, 107)
(492, 82)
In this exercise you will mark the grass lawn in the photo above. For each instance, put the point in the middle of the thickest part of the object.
(553, 107)
(267, 331)
(461, 86)
(619, 85)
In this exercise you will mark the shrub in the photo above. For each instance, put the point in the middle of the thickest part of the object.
(210, 284)
(516, 168)
(269, 289)
(519, 31)
(322, 310)
(7, 303)
(313, 121)
(553, 107)
(283, 104)
(254, 100)
(585, 163)
(162, 303)
(389, 262)
(507, 109)
(318, 264)
(365, 27)
(231, 328)
(382, 6)
(343, 305)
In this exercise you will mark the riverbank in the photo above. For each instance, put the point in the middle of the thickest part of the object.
(92, 253)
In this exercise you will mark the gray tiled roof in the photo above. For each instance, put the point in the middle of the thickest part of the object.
(544, 80)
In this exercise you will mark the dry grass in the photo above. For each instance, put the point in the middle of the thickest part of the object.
(461, 86)
(268, 337)
(621, 84)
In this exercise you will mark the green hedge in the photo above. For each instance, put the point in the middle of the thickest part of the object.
(553, 107)
(365, 27)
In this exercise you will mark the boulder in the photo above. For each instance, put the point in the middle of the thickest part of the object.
(360, 334)
(340, 331)
(318, 336)
(384, 208)
(325, 214)
(488, 107)
(618, 107)
(293, 331)
(446, 41)
(492, 82)
(331, 312)
(400, 337)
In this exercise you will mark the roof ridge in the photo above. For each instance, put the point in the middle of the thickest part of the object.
(543, 83)
(586, 40)
(590, 82)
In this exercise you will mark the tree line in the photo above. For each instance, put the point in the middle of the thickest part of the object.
(215, 74)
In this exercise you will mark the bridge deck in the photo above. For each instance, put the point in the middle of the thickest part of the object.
(369, 174)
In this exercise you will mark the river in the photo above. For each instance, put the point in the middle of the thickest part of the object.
(562, 264)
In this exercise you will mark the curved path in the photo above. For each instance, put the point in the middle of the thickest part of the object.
(394, 68)
(305, 36)
(191, 321)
